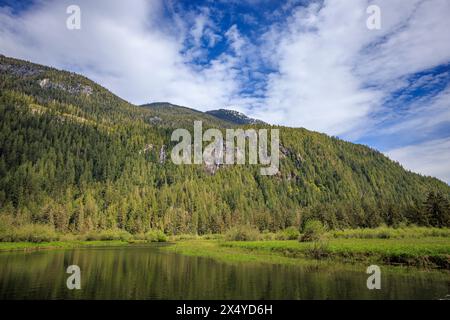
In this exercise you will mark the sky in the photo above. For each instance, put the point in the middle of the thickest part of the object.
(300, 63)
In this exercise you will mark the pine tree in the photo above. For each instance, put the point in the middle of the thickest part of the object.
(437, 210)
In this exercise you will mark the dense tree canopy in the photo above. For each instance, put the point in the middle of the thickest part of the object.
(77, 157)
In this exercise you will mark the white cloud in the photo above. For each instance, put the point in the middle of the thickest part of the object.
(125, 46)
(416, 39)
(323, 54)
(429, 158)
(235, 39)
(423, 116)
(326, 58)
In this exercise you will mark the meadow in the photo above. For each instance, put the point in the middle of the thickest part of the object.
(406, 246)
(423, 252)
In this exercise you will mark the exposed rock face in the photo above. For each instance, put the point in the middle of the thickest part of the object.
(20, 70)
(87, 90)
(44, 83)
(286, 152)
(30, 70)
(214, 167)
(234, 116)
(154, 120)
(77, 89)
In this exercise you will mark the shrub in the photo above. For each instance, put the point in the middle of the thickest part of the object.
(183, 237)
(319, 249)
(29, 233)
(155, 236)
(212, 236)
(106, 235)
(313, 231)
(290, 233)
(242, 233)
(67, 237)
(268, 236)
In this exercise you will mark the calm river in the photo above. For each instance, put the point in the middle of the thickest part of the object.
(147, 272)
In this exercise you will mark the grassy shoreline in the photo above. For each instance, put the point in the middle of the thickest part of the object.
(427, 248)
(32, 246)
(424, 253)
(429, 253)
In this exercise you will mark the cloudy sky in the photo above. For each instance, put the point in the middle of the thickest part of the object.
(302, 63)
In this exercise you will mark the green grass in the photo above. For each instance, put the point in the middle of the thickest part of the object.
(212, 249)
(392, 233)
(28, 246)
(427, 253)
(424, 252)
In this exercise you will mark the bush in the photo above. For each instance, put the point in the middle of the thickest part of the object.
(319, 249)
(269, 236)
(242, 233)
(106, 235)
(67, 237)
(313, 231)
(290, 233)
(28, 233)
(183, 237)
(155, 236)
(212, 236)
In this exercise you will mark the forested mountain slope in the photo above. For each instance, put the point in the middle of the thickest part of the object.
(178, 116)
(234, 117)
(75, 156)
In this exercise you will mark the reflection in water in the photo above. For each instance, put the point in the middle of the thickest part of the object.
(149, 273)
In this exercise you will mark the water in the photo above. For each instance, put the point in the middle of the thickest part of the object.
(146, 272)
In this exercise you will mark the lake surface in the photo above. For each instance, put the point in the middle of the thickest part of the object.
(147, 272)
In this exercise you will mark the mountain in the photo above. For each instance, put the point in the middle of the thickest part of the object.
(176, 115)
(234, 117)
(75, 156)
(222, 118)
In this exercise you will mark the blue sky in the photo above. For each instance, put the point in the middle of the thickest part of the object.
(308, 63)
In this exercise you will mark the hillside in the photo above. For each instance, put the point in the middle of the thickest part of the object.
(178, 116)
(75, 156)
(234, 117)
